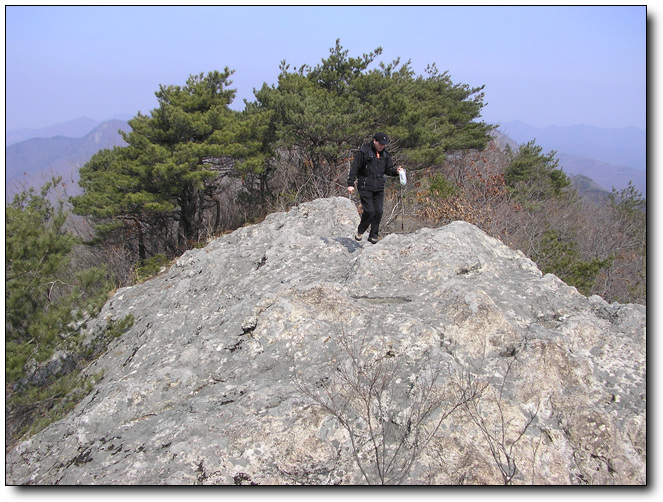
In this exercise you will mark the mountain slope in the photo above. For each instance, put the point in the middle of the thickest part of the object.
(611, 157)
(33, 162)
(623, 146)
(72, 129)
(287, 352)
(589, 189)
(605, 175)
(76, 128)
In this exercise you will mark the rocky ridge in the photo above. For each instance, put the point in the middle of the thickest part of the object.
(287, 352)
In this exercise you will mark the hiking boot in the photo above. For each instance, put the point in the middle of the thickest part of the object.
(373, 240)
(358, 236)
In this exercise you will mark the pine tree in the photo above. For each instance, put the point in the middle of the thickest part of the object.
(322, 114)
(535, 175)
(43, 293)
(155, 191)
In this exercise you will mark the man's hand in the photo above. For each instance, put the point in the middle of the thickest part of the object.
(351, 190)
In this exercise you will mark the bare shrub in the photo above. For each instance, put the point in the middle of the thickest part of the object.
(389, 418)
(501, 424)
(300, 178)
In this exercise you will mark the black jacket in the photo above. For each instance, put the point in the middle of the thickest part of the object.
(369, 171)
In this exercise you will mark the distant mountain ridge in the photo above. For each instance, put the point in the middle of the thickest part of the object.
(76, 128)
(621, 146)
(34, 161)
(605, 175)
(611, 157)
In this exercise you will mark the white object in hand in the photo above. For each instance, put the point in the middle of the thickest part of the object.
(403, 176)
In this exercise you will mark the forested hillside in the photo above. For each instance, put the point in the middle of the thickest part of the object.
(194, 169)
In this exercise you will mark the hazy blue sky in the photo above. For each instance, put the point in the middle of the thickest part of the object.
(543, 65)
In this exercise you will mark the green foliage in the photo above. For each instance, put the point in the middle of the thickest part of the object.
(150, 266)
(561, 256)
(36, 251)
(43, 295)
(324, 113)
(629, 202)
(440, 187)
(533, 175)
(315, 115)
(156, 194)
(38, 406)
(430, 115)
(169, 173)
(31, 406)
(46, 296)
(118, 328)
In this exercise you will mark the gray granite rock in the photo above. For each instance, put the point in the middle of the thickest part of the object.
(287, 352)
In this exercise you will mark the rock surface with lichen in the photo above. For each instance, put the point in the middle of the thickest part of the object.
(223, 376)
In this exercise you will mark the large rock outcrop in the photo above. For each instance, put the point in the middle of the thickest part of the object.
(287, 352)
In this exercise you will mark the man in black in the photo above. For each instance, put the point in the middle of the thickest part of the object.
(371, 164)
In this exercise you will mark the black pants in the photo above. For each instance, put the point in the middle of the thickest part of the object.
(371, 202)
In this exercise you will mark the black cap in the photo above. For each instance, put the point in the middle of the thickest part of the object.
(381, 138)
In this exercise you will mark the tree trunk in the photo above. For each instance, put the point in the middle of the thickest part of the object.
(188, 211)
